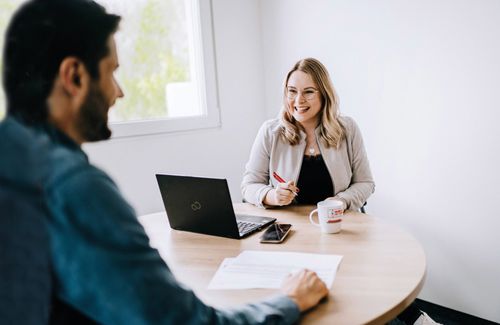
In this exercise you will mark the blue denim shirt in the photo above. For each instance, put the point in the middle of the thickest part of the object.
(25, 274)
(104, 266)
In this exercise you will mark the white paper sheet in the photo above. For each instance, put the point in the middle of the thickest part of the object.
(264, 269)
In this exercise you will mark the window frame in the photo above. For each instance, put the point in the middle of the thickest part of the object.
(208, 96)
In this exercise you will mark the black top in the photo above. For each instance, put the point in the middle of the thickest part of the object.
(315, 183)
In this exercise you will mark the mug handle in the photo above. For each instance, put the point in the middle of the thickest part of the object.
(311, 217)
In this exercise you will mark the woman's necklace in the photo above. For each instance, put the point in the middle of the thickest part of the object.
(311, 149)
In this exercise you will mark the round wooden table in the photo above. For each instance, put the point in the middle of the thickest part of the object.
(382, 270)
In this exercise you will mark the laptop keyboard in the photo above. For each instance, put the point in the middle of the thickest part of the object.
(245, 227)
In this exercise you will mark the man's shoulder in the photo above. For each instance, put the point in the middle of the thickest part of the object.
(24, 153)
(19, 138)
(70, 165)
(30, 156)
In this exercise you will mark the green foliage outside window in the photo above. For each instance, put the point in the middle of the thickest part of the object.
(153, 51)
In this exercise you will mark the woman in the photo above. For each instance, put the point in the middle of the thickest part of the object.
(310, 147)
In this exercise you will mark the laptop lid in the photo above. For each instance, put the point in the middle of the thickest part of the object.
(201, 205)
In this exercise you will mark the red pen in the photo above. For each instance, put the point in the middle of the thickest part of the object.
(278, 178)
(281, 180)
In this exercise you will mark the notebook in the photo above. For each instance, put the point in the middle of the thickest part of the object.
(203, 205)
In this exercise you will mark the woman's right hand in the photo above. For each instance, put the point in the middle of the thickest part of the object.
(281, 195)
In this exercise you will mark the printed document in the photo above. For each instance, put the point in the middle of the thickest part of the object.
(268, 269)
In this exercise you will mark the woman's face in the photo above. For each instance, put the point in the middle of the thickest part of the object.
(304, 100)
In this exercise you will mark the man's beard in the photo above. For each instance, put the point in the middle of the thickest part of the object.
(92, 121)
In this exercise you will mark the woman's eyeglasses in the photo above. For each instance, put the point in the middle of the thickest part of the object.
(307, 94)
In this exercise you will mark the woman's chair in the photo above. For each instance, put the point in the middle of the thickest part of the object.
(362, 209)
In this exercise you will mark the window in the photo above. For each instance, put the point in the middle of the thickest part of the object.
(167, 69)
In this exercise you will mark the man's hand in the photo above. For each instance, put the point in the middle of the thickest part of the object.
(281, 195)
(305, 288)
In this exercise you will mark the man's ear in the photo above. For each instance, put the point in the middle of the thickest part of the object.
(73, 76)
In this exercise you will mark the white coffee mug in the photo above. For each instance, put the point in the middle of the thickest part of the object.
(330, 214)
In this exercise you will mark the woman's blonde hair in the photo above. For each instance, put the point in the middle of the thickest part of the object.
(331, 130)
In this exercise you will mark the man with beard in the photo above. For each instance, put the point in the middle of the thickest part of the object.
(59, 63)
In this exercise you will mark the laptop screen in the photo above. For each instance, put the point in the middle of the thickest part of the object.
(196, 204)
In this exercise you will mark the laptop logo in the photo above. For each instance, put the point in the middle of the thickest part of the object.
(196, 206)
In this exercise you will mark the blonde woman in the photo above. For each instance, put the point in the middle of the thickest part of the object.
(310, 153)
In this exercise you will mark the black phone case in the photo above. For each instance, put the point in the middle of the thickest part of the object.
(276, 233)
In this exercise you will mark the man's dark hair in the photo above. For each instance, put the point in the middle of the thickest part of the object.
(40, 35)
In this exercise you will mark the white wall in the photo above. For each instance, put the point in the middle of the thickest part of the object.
(220, 152)
(422, 79)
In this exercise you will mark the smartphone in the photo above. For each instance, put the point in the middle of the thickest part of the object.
(276, 233)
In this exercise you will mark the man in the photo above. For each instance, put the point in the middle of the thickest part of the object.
(59, 61)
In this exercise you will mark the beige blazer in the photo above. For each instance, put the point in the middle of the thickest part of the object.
(348, 166)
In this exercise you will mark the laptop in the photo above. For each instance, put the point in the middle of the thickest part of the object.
(203, 205)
